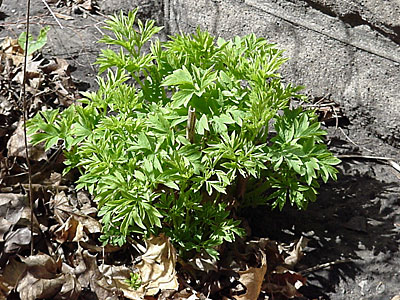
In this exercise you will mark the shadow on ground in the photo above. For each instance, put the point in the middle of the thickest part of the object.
(352, 219)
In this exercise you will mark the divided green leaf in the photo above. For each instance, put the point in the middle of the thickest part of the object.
(150, 173)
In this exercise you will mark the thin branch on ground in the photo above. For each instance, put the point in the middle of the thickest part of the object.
(389, 160)
(351, 141)
(51, 12)
(325, 265)
(36, 187)
(359, 156)
(25, 116)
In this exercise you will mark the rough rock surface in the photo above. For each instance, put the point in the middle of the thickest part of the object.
(346, 51)
(147, 8)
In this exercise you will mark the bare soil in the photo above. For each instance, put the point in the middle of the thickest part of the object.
(353, 228)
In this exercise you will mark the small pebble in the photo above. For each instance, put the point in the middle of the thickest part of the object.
(360, 246)
(364, 287)
(380, 288)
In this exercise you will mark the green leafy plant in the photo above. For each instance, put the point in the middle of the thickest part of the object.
(177, 135)
(34, 45)
(134, 281)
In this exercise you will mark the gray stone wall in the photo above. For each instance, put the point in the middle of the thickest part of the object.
(346, 51)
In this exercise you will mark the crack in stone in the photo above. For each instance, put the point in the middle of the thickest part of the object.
(367, 43)
(355, 19)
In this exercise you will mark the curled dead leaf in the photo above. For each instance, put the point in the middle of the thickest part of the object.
(42, 278)
(61, 81)
(64, 209)
(16, 145)
(297, 252)
(204, 262)
(17, 239)
(252, 280)
(119, 275)
(32, 72)
(14, 210)
(10, 276)
(75, 229)
(71, 231)
(71, 288)
(31, 287)
(5, 226)
(108, 283)
(61, 206)
(188, 295)
(285, 282)
(42, 265)
(62, 16)
(10, 49)
(157, 268)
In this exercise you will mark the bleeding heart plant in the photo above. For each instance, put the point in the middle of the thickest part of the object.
(175, 135)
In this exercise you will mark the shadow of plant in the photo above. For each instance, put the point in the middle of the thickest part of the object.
(352, 219)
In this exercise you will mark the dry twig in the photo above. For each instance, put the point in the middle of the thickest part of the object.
(325, 265)
(387, 160)
(25, 116)
(51, 12)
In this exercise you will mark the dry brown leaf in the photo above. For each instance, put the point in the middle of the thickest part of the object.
(58, 67)
(71, 288)
(62, 67)
(54, 179)
(86, 206)
(92, 278)
(281, 280)
(104, 287)
(71, 231)
(10, 276)
(187, 295)
(5, 227)
(11, 50)
(63, 210)
(42, 264)
(41, 278)
(271, 250)
(14, 209)
(87, 4)
(31, 287)
(62, 16)
(94, 248)
(16, 239)
(75, 229)
(6, 108)
(35, 83)
(91, 225)
(287, 290)
(16, 145)
(297, 253)
(32, 72)
(286, 282)
(119, 274)
(204, 262)
(157, 268)
(252, 279)
(61, 206)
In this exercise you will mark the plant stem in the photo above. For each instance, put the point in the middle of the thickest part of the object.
(190, 124)
(25, 116)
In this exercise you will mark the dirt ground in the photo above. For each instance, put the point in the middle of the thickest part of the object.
(353, 228)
